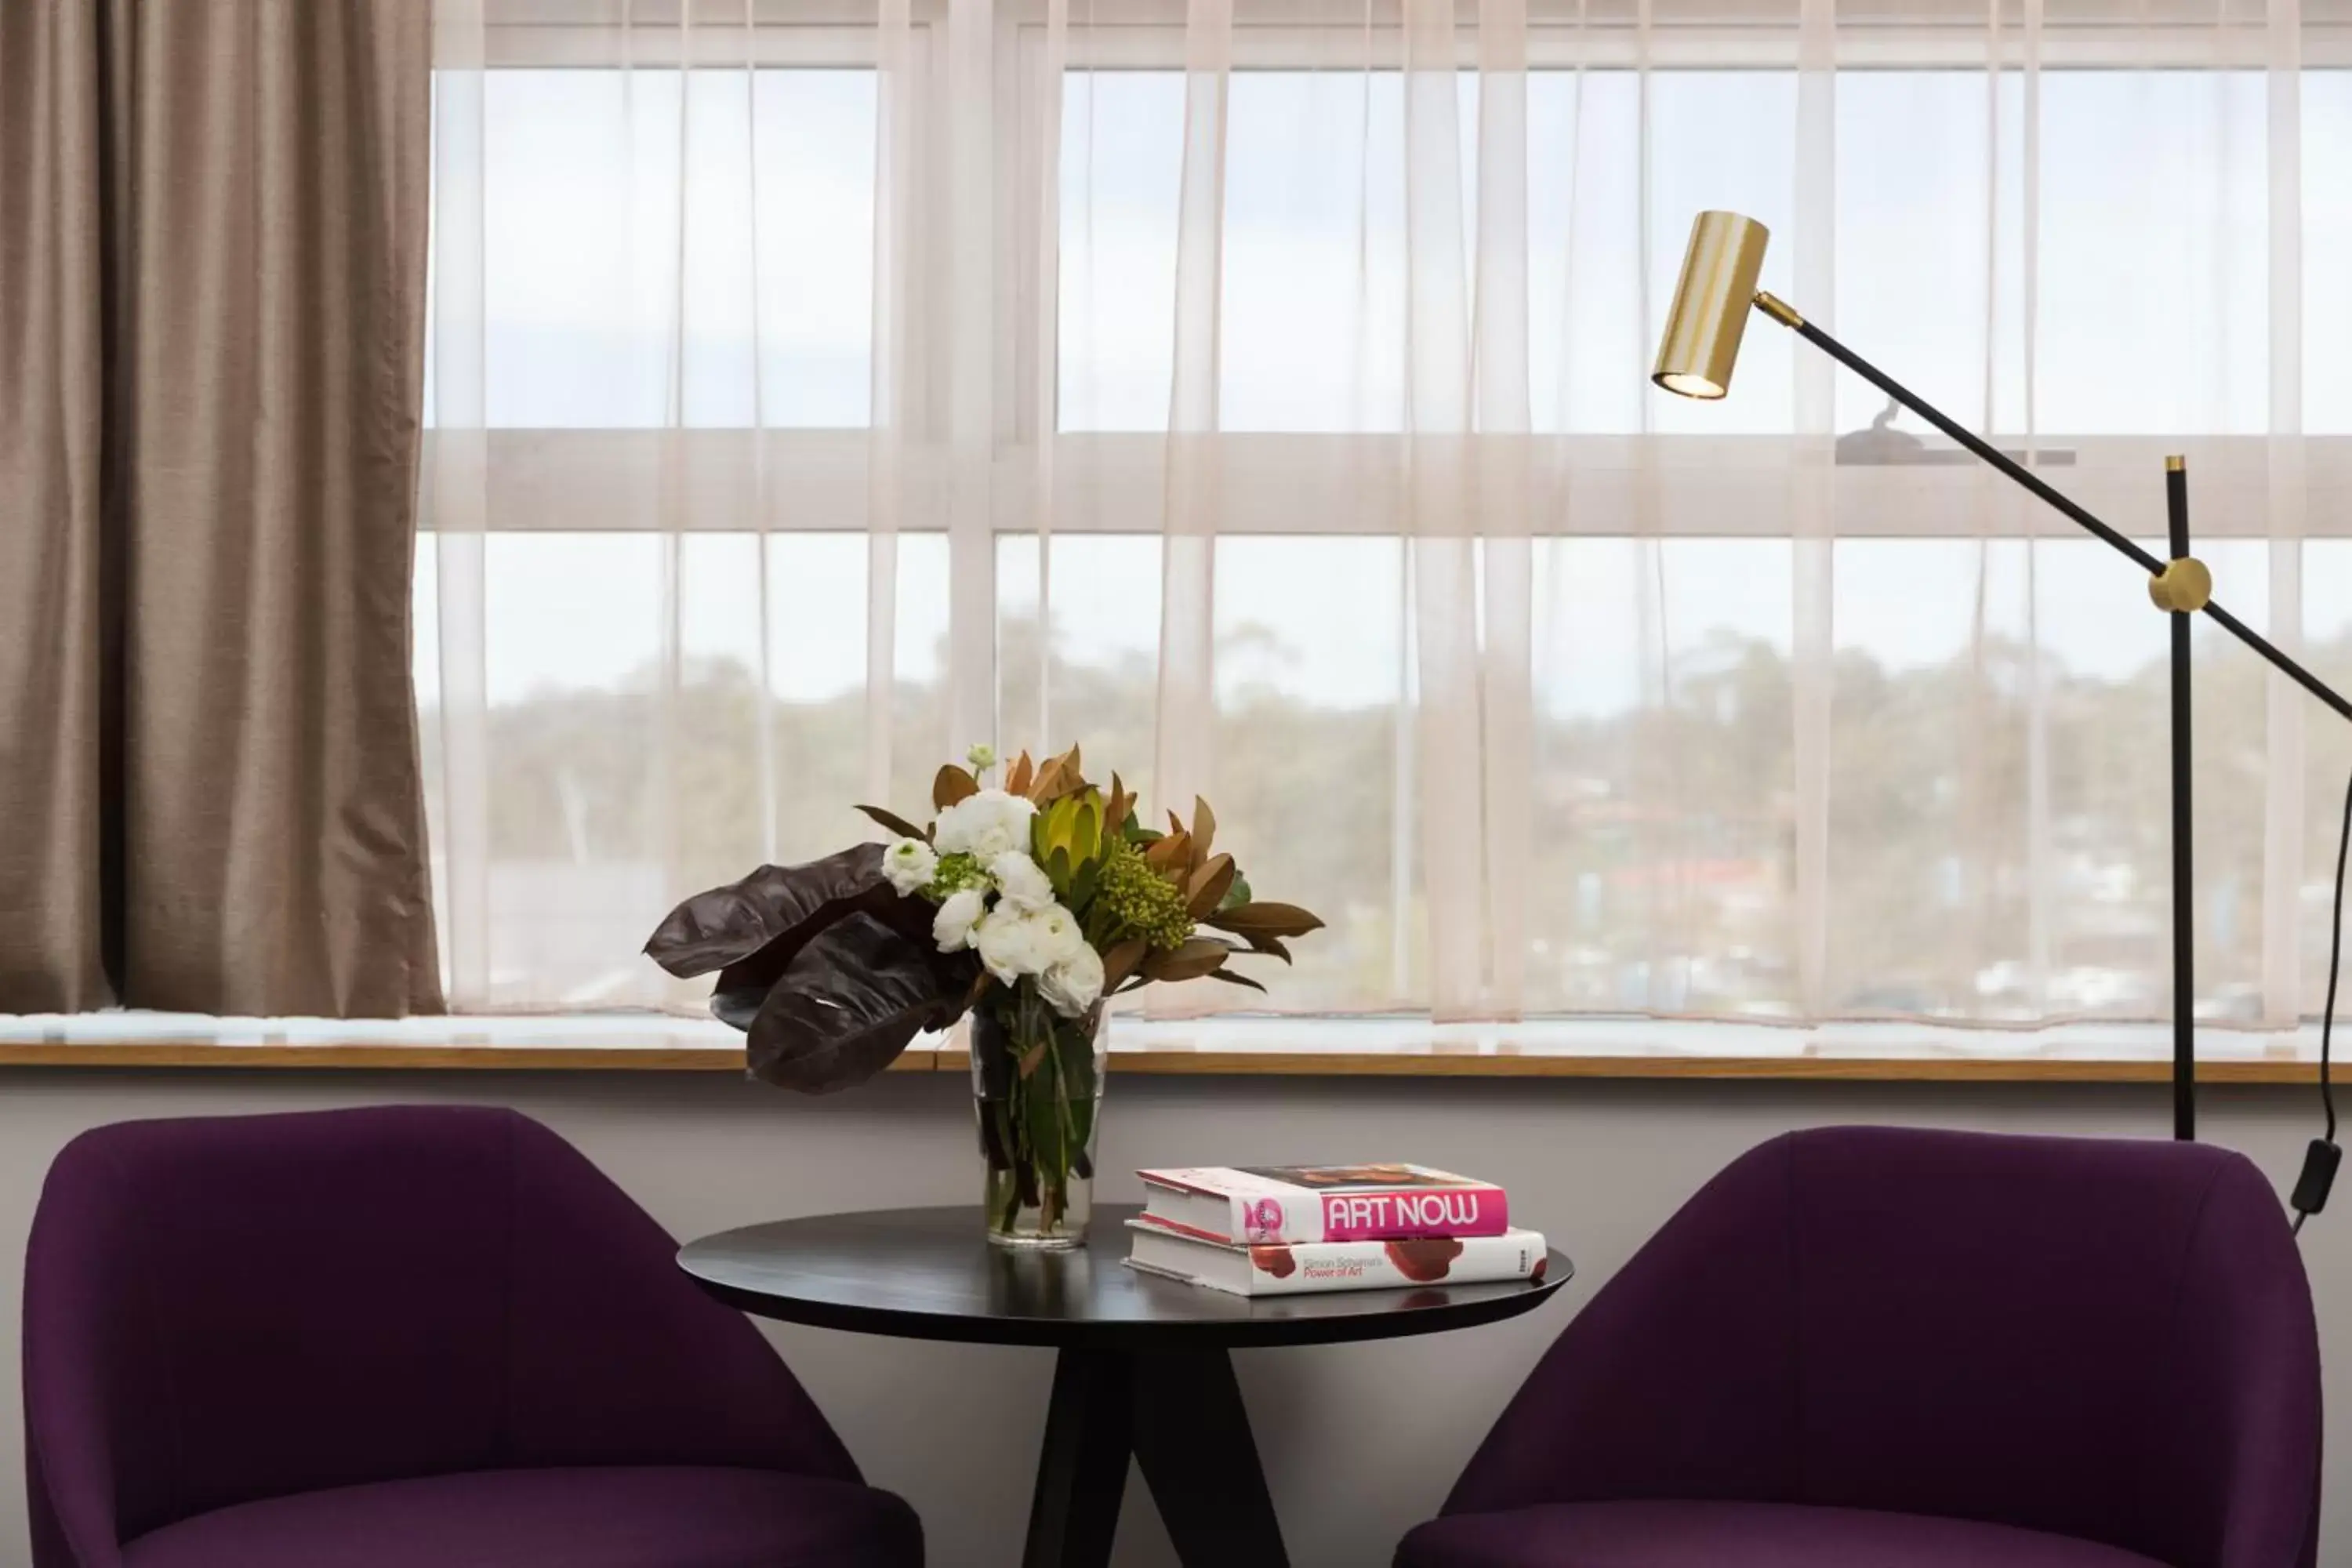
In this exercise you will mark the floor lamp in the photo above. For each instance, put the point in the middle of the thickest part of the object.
(1695, 360)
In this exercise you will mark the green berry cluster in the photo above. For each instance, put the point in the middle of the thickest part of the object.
(1145, 903)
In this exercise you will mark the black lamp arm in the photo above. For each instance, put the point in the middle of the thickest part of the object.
(2029, 480)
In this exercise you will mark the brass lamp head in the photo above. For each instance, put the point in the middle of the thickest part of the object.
(1710, 309)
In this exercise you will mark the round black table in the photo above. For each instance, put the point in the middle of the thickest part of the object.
(1142, 1369)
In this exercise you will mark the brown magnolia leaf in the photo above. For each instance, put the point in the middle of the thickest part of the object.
(1018, 777)
(1171, 854)
(1200, 956)
(1204, 830)
(1121, 961)
(1028, 1060)
(1261, 917)
(951, 784)
(1207, 888)
(896, 823)
(1069, 784)
(1271, 946)
(1061, 776)
(1116, 808)
(1230, 978)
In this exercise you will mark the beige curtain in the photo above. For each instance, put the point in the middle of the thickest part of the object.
(213, 221)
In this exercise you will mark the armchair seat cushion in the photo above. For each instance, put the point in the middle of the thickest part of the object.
(1665, 1534)
(634, 1516)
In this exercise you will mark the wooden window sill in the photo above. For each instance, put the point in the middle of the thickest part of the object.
(1884, 1054)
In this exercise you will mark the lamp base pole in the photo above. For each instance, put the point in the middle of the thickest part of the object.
(2184, 884)
(2181, 586)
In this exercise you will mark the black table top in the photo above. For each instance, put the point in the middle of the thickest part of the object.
(930, 1274)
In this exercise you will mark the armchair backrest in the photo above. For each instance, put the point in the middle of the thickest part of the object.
(222, 1310)
(2105, 1338)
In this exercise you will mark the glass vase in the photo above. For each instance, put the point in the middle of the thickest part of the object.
(1037, 1085)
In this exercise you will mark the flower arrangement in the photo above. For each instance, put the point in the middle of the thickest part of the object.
(1025, 904)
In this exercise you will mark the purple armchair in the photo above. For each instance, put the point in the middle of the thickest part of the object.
(1864, 1346)
(403, 1337)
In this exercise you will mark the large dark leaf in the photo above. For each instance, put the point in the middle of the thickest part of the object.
(750, 930)
(851, 999)
(717, 928)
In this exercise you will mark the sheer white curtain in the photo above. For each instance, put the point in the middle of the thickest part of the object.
(1255, 391)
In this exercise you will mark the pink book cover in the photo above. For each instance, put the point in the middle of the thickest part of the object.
(1276, 1204)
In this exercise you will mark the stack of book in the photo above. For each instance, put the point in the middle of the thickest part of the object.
(1276, 1230)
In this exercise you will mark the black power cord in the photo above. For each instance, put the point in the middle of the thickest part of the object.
(2319, 1161)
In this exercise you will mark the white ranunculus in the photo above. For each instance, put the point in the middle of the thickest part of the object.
(1057, 933)
(984, 826)
(910, 863)
(1024, 887)
(1074, 984)
(1006, 942)
(959, 912)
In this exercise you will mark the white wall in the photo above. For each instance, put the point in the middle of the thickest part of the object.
(1360, 1441)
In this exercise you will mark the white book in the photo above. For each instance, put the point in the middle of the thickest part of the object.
(1300, 1267)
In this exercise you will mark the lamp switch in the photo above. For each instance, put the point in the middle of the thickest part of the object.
(2319, 1162)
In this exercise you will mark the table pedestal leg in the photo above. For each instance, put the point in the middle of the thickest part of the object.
(1180, 1414)
(1082, 1471)
(1193, 1439)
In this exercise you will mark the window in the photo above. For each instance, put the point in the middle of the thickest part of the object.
(818, 394)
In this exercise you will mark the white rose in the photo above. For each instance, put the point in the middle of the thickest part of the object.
(1074, 984)
(959, 912)
(1007, 944)
(910, 863)
(1024, 887)
(984, 826)
(1056, 932)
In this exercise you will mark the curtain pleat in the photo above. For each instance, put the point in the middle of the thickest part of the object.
(894, 397)
(1441, 514)
(2284, 706)
(456, 492)
(56, 854)
(1503, 498)
(1813, 479)
(1183, 753)
(1181, 766)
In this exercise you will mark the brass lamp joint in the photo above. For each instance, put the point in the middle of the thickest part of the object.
(1779, 310)
(2183, 587)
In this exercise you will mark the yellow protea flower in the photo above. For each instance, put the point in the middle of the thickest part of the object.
(1072, 825)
